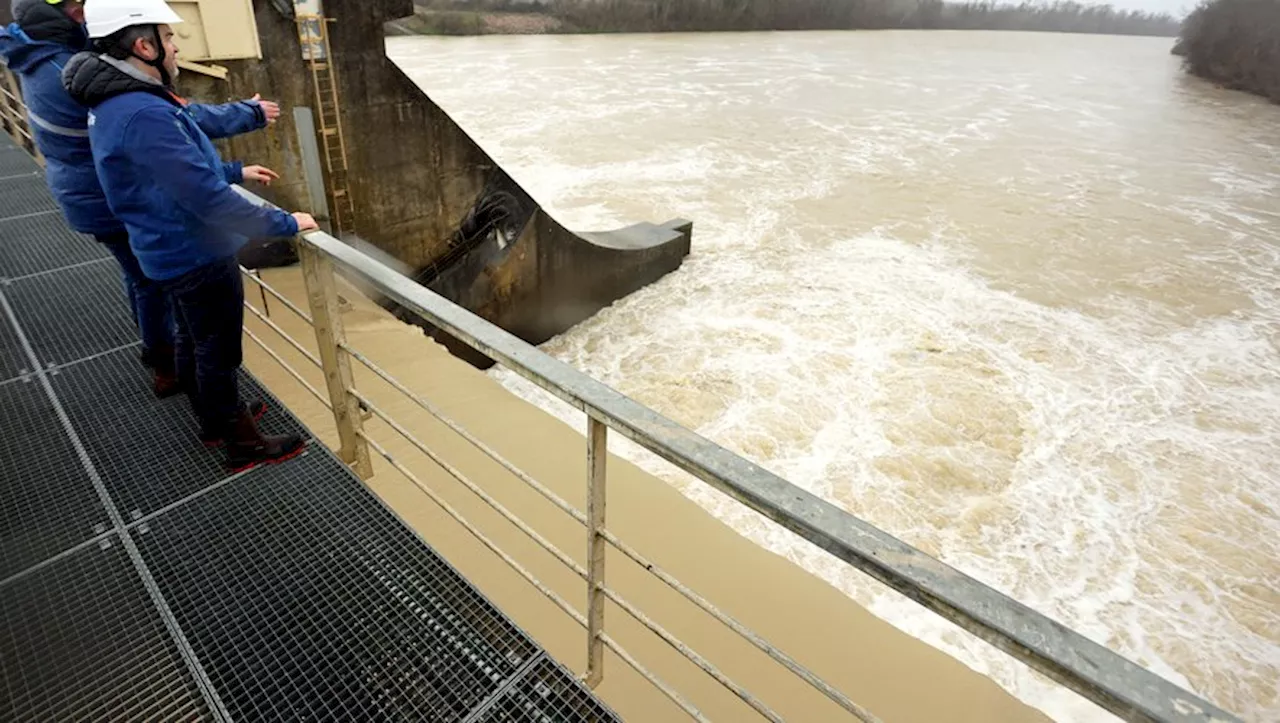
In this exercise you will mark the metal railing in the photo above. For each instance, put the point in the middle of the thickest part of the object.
(13, 114)
(1093, 671)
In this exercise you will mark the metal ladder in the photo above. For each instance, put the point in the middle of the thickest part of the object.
(324, 78)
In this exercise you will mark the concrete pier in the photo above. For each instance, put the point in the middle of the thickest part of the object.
(426, 193)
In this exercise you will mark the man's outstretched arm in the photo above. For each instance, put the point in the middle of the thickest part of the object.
(233, 119)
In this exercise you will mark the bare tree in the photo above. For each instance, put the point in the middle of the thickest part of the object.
(1235, 43)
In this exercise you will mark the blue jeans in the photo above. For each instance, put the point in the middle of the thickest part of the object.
(149, 303)
(208, 306)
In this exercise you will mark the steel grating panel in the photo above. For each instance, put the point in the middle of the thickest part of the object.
(15, 161)
(13, 359)
(305, 599)
(35, 244)
(547, 693)
(73, 313)
(24, 195)
(81, 641)
(47, 502)
(146, 450)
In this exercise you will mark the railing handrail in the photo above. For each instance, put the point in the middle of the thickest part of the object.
(1091, 670)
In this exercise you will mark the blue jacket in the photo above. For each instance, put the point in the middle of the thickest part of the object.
(60, 127)
(161, 174)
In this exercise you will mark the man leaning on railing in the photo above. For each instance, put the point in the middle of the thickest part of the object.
(37, 46)
(164, 179)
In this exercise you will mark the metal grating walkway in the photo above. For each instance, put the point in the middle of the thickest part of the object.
(139, 582)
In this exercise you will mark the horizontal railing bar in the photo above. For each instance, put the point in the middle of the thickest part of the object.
(281, 297)
(760, 643)
(457, 516)
(292, 372)
(285, 335)
(657, 682)
(475, 489)
(565, 560)
(692, 655)
(1092, 670)
(551, 595)
(436, 412)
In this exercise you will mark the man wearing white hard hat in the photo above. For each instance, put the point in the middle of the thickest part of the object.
(163, 178)
(44, 36)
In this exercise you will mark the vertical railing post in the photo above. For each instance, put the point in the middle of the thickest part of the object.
(597, 454)
(322, 296)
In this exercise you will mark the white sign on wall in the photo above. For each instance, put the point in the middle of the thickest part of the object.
(310, 14)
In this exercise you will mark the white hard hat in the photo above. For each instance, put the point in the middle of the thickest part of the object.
(106, 17)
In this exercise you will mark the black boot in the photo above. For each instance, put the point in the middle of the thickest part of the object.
(165, 375)
(213, 440)
(248, 448)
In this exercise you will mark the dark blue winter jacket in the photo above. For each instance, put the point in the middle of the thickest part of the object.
(160, 172)
(60, 125)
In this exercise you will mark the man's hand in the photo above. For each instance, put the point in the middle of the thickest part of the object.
(260, 174)
(305, 222)
(270, 108)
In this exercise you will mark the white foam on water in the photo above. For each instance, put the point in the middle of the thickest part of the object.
(1034, 332)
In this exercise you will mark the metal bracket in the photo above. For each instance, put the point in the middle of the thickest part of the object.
(213, 71)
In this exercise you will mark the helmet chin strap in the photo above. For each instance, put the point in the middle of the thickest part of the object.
(158, 63)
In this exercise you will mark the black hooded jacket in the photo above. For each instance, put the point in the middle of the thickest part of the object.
(91, 78)
(49, 23)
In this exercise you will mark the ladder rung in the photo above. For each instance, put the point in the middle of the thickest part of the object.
(330, 131)
(339, 192)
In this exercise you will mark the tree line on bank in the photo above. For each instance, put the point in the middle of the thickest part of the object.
(697, 15)
(743, 15)
(1235, 43)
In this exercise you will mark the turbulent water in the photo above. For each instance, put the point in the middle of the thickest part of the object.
(1013, 298)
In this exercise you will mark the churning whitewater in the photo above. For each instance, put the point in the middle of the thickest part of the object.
(1012, 298)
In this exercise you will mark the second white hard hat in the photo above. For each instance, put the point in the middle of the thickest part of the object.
(106, 17)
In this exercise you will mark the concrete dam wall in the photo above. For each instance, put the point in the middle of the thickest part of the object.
(423, 191)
